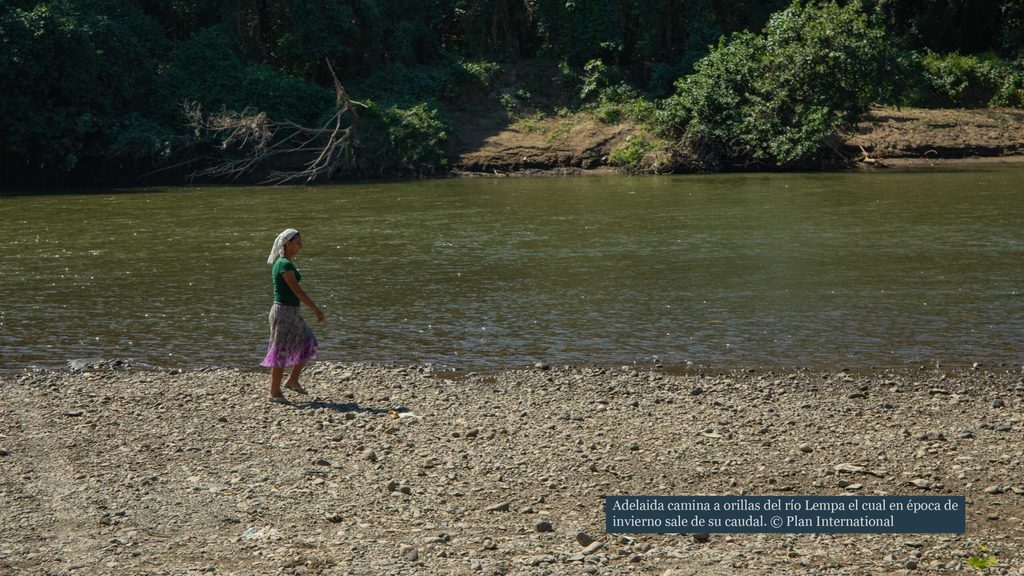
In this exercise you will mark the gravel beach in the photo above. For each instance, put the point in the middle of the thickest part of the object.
(401, 470)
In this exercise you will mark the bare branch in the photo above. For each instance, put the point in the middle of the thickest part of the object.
(260, 140)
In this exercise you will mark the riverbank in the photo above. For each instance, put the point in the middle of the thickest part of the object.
(886, 137)
(404, 471)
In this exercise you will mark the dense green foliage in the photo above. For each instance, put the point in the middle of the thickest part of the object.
(772, 99)
(98, 86)
(962, 81)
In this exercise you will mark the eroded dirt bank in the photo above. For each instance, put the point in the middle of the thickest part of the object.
(490, 144)
(399, 471)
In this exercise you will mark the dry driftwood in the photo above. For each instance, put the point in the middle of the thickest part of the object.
(261, 139)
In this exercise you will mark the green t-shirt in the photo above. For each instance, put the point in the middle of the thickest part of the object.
(282, 293)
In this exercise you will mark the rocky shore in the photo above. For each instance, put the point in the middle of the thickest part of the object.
(385, 470)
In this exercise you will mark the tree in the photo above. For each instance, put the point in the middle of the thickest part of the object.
(774, 99)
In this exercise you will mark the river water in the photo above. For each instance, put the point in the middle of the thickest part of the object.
(853, 270)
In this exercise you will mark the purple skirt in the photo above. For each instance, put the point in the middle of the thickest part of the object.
(291, 341)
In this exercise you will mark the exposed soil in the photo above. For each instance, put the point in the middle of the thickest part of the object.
(929, 135)
(493, 144)
(405, 471)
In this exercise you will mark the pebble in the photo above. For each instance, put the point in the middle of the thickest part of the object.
(697, 390)
(541, 559)
(998, 403)
(993, 490)
(468, 476)
(1004, 427)
(701, 537)
(593, 547)
(921, 483)
(409, 553)
(3, 452)
(545, 526)
(500, 507)
(911, 565)
(851, 468)
(73, 413)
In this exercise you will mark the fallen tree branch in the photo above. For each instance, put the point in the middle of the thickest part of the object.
(261, 140)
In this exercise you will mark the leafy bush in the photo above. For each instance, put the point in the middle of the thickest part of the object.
(962, 81)
(622, 102)
(596, 77)
(482, 72)
(632, 153)
(773, 99)
(416, 138)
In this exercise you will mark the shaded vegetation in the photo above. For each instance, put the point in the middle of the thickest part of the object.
(97, 88)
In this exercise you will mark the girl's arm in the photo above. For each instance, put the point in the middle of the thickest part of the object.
(289, 278)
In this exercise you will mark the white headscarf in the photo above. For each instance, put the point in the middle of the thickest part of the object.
(278, 250)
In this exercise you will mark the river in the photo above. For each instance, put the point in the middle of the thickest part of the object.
(837, 270)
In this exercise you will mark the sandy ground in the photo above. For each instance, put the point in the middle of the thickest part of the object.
(391, 470)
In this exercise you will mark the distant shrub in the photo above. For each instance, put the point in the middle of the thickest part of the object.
(482, 73)
(416, 138)
(632, 153)
(773, 99)
(962, 81)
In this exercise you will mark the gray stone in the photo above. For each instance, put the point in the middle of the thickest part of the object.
(333, 518)
(998, 403)
(701, 537)
(806, 448)
(1004, 427)
(697, 390)
(79, 364)
(541, 559)
(370, 456)
(592, 548)
(545, 526)
(584, 539)
(993, 490)
(409, 553)
(500, 507)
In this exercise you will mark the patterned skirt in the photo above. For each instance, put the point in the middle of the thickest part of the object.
(291, 341)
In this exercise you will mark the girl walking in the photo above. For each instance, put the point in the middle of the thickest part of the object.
(292, 343)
